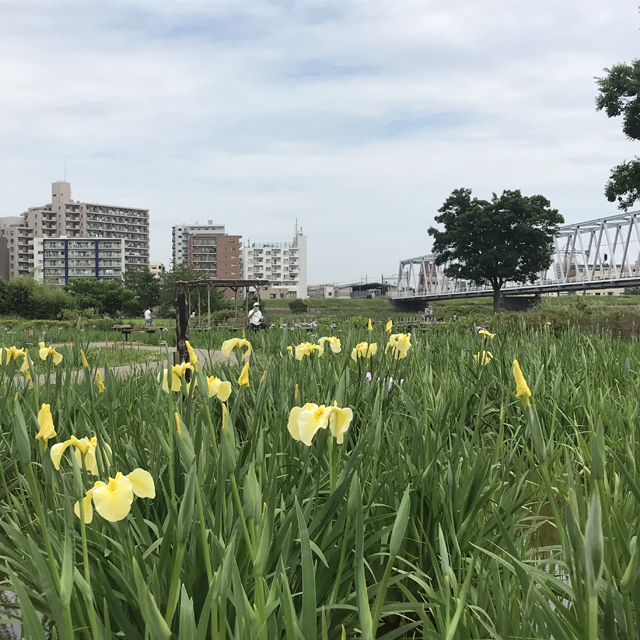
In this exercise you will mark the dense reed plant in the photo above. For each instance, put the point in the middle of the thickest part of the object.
(432, 501)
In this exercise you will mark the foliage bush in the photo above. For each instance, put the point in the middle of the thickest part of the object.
(298, 306)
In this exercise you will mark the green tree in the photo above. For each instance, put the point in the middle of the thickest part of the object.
(509, 238)
(146, 290)
(107, 296)
(619, 95)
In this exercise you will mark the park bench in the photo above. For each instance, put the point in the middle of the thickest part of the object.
(126, 329)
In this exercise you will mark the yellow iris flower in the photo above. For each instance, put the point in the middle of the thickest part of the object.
(334, 344)
(113, 500)
(243, 380)
(483, 358)
(177, 372)
(45, 352)
(47, 430)
(339, 422)
(522, 388)
(400, 343)
(486, 334)
(389, 326)
(370, 326)
(99, 382)
(364, 350)
(193, 358)
(83, 447)
(85, 364)
(236, 343)
(305, 422)
(13, 353)
(24, 368)
(219, 388)
(306, 349)
(290, 350)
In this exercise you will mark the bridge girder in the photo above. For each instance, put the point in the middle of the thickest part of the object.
(594, 254)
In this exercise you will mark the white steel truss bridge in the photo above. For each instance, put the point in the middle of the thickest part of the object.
(597, 254)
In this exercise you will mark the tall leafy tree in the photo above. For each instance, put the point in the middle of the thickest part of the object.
(509, 238)
(619, 96)
(145, 287)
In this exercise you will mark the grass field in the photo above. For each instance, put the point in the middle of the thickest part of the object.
(432, 503)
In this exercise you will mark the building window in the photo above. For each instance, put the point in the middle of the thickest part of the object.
(272, 295)
(282, 295)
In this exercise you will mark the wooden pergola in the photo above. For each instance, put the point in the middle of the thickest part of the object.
(183, 304)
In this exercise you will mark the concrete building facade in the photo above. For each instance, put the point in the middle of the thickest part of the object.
(64, 217)
(215, 255)
(59, 260)
(180, 239)
(284, 264)
(157, 268)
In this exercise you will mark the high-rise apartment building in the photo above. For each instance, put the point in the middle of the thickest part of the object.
(64, 217)
(284, 264)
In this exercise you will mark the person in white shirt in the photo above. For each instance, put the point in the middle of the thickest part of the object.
(255, 315)
(147, 317)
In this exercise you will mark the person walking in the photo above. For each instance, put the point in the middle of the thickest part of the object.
(427, 313)
(147, 317)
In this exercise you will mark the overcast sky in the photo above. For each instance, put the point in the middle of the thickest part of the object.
(355, 117)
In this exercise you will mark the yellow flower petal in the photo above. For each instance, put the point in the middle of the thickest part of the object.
(101, 384)
(85, 364)
(370, 326)
(113, 501)
(142, 483)
(339, 422)
(47, 430)
(311, 419)
(389, 326)
(56, 452)
(522, 389)
(484, 332)
(213, 386)
(224, 391)
(86, 504)
(243, 380)
(292, 425)
(193, 358)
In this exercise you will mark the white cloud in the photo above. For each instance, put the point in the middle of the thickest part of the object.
(356, 117)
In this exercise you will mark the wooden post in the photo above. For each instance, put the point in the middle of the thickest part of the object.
(209, 306)
(235, 290)
(199, 312)
(182, 319)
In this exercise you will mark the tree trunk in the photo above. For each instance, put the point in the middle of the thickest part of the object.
(496, 300)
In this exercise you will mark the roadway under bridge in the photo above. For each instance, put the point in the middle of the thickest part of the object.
(596, 254)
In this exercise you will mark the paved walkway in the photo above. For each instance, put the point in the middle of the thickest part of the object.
(204, 356)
